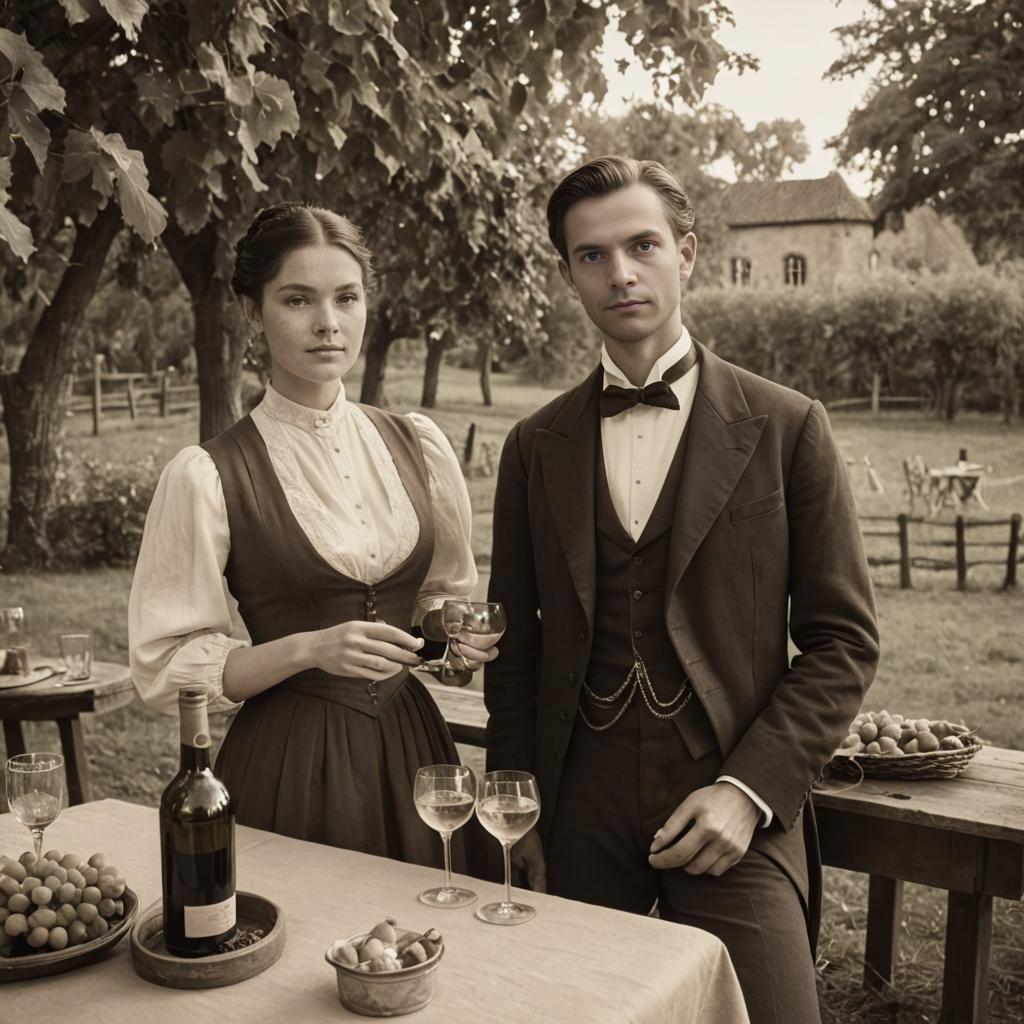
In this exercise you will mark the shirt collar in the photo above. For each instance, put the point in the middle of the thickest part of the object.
(316, 421)
(613, 375)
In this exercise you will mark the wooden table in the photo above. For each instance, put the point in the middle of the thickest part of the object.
(964, 835)
(956, 486)
(573, 962)
(108, 687)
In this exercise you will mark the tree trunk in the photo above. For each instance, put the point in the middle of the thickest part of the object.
(432, 370)
(952, 399)
(484, 353)
(35, 396)
(876, 394)
(218, 335)
(376, 362)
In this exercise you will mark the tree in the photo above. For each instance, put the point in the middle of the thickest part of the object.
(942, 122)
(403, 113)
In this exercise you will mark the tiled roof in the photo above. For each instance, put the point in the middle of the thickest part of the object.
(748, 203)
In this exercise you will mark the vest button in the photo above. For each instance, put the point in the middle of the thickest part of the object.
(638, 560)
(564, 716)
(638, 633)
(572, 678)
(637, 594)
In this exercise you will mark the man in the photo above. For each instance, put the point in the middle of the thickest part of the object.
(654, 527)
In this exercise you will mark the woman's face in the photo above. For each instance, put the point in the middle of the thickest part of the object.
(313, 314)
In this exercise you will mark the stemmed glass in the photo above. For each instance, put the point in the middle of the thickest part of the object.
(483, 619)
(445, 795)
(508, 808)
(12, 625)
(35, 792)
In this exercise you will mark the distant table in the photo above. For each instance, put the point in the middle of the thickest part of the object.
(108, 687)
(572, 962)
(956, 486)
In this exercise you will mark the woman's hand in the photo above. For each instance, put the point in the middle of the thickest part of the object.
(364, 650)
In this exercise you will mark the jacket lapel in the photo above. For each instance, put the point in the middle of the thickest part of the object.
(723, 436)
(567, 453)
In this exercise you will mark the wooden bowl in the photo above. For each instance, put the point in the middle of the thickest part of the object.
(153, 963)
(40, 965)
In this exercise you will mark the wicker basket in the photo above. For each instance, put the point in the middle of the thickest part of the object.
(939, 764)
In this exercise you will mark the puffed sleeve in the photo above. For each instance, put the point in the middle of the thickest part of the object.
(182, 621)
(452, 570)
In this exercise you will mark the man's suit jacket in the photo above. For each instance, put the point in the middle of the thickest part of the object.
(765, 533)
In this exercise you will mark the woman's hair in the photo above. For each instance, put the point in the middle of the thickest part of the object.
(609, 174)
(281, 229)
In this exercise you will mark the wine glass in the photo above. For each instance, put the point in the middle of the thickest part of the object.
(35, 792)
(445, 795)
(508, 808)
(12, 625)
(482, 619)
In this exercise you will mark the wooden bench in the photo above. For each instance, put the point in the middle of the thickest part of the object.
(964, 835)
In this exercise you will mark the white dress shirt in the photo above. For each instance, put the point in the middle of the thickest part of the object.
(343, 488)
(639, 445)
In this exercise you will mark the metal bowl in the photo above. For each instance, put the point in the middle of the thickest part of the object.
(390, 993)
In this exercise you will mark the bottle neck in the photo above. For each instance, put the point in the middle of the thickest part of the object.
(195, 738)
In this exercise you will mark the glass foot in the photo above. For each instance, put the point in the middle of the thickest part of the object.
(447, 898)
(505, 913)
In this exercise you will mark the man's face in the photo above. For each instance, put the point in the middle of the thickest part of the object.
(626, 266)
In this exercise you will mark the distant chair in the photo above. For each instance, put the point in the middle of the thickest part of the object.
(919, 483)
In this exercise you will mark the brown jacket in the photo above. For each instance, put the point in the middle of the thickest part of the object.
(765, 532)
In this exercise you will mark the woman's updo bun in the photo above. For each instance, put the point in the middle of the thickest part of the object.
(279, 230)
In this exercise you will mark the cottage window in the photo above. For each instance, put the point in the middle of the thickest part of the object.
(740, 271)
(795, 269)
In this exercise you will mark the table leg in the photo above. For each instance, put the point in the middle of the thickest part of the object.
(885, 898)
(968, 943)
(14, 738)
(76, 765)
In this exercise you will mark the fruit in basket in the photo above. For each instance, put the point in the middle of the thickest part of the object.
(50, 904)
(882, 734)
(951, 742)
(371, 953)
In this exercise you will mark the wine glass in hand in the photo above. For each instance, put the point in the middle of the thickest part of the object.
(445, 795)
(35, 792)
(477, 624)
(508, 807)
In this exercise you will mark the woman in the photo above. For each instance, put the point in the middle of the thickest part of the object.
(333, 526)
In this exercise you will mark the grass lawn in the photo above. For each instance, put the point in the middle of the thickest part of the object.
(945, 654)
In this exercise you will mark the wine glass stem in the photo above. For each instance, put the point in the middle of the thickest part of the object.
(446, 839)
(506, 851)
(37, 839)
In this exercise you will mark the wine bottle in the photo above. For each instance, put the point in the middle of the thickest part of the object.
(197, 842)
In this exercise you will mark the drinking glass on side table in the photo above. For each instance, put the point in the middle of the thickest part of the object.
(76, 650)
(508, 807)
(445, 795)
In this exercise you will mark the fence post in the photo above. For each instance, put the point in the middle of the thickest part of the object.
(961, 555)
(97, 393)
(165, 393)
(131, 399)
(901, 523)
(1011, 555)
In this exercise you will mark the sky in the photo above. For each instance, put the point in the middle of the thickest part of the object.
(793, 41)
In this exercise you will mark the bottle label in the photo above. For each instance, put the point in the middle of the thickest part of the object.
(212, 919)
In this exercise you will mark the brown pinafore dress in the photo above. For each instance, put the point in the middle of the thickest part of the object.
(321, 757)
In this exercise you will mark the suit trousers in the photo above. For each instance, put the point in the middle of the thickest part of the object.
(618, 787)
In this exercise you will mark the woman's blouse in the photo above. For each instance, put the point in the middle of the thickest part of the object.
(344, 490)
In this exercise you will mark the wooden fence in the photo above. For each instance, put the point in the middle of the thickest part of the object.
(155, 391)
(958, 543)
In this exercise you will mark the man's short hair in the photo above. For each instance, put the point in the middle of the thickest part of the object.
(609, 174)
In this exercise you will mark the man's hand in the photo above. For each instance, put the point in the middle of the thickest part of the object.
(716, 824)
(528, 855)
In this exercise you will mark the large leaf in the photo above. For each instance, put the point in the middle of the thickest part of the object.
(271, 113)
(141, 210)
(12, 231)
(128, 14)
(79, 10)
(250, 31)
(26, 123)
(42, 88)
(82, 157)
(158, 91)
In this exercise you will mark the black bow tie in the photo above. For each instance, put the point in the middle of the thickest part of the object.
(614, 399)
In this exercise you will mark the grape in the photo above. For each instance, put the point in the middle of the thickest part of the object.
(67, 914)
(52, 882)
(30, 883)
(16, 870)
(38, 937)
(9, 886)
(97, 860)
(75, 877)
(41, 895)
(66, 893)
(4, 914)
(111, 887)
(44, 917)
(18, 903)
(27, 859)
(16, 924)
(91, 876)
(119, 908)
(45, 867)
(60, 873)
(58, 938)
(90, 894)
(87, 912)
(53, 855)
(69, 861)
(106, 908)
(77, 933)
(97, 928)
